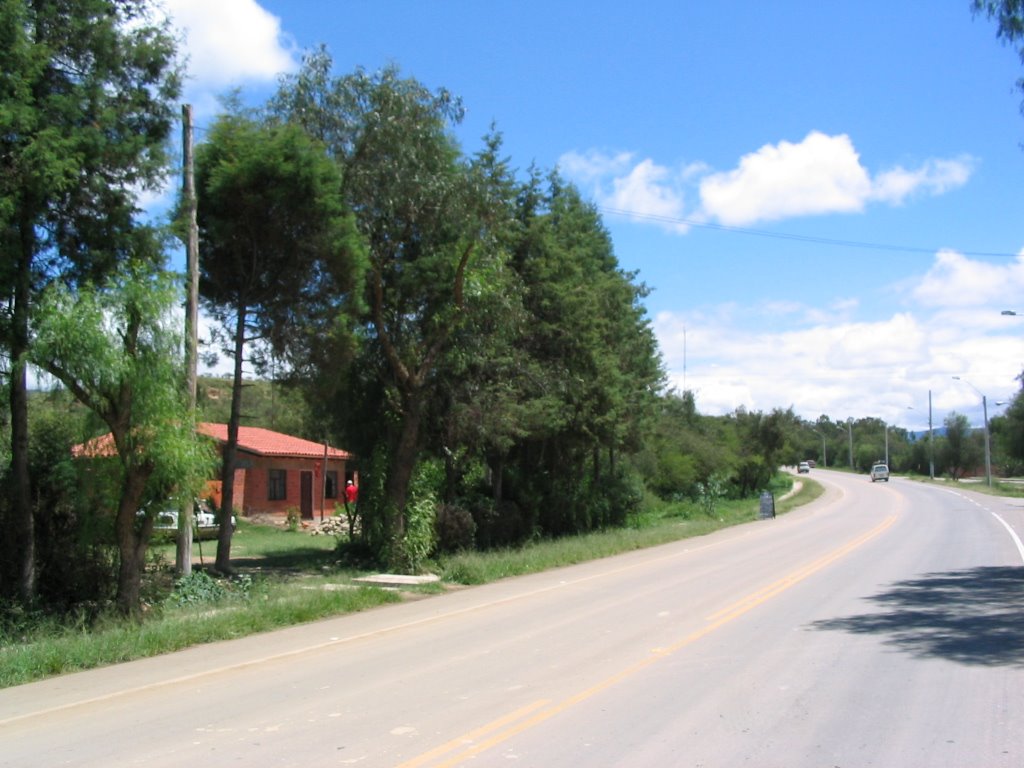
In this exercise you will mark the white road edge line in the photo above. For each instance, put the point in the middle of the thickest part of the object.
(1013, 534)
(1006, 525)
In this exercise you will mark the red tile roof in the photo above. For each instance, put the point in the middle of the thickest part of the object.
(98, 447)
(262, 442)
(266, 442)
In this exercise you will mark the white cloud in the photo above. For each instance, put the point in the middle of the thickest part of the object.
(229, 42)
(821, 174)
(645, 190)
(839, 364)
(957, 281)
(593, 166)
(935, 177)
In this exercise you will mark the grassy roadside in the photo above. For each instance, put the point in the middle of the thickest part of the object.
(1000, 487)
(289, 578)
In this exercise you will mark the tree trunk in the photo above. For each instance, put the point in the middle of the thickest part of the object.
(131, 542)
(21, 495)
(403, 460)
(227, 478)
(497, 466)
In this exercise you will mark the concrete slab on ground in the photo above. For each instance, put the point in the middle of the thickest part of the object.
(397, 580)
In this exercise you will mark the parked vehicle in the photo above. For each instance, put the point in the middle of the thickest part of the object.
(204, 519)
(880, 472)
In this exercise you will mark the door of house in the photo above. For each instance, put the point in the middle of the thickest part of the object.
(306, 495)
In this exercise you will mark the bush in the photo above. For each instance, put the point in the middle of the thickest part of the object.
(408, 554)
(455, 527)
(500, 525)
(199, 587)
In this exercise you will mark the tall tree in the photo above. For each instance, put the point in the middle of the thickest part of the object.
(118, 351)
(427, 229)
(86, 88)
(594, 357)
(961, 452)
(278, 253)
(476, 351)
(427, 224)
(1008, 431)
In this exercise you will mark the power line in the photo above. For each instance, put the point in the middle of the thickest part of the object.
(792, 236)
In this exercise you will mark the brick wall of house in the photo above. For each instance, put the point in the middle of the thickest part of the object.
(257, 480)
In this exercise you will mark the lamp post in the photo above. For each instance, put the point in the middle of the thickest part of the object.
(984, 410)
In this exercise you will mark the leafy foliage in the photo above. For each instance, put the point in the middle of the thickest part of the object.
(199, 587)
(114, 347)
(277, 257)
(87, 90)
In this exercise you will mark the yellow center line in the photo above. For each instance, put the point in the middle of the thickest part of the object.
(515, 721)
(770, 590)
(472, 736)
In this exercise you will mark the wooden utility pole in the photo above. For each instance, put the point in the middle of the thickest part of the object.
(183, 560)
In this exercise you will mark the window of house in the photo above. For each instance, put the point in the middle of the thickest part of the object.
(277, 484)
(331, 484)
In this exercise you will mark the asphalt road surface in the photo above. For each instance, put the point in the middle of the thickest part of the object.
(881, 625)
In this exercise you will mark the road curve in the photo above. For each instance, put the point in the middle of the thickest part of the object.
(878, 626)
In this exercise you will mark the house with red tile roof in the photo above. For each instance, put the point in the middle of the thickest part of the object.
(274, 471)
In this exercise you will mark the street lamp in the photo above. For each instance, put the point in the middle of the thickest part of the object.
(984, 410)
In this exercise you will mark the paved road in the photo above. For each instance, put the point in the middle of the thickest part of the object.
(879, 626)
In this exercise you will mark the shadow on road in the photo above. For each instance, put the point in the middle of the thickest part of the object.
(973, 616)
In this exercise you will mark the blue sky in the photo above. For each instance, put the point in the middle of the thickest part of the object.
(825, 199)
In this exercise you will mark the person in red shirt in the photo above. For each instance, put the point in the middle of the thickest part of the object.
(351, 493)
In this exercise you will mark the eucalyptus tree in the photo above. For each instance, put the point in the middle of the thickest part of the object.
(87, 89)
(277, 253)
(429, 227)
(117, 349)
(427, 217)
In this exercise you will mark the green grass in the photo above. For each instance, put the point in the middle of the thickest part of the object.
(289, 578)
(664, 524)
(998, 487)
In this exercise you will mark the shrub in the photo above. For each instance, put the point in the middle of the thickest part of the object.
(199, 587)
(408, 554)
(455, 527)
(710, 493)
